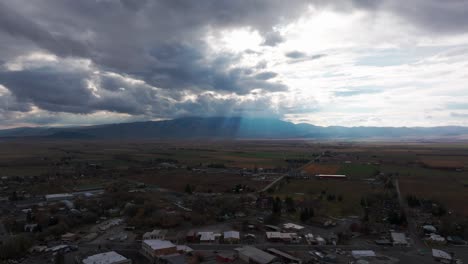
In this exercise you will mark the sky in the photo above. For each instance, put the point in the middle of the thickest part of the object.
(324, 62)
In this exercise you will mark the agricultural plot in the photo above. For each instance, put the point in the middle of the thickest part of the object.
(177, 180)
(317, 168)
(350, 192)
(359, 171)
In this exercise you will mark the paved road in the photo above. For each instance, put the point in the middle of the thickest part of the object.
(272, 184)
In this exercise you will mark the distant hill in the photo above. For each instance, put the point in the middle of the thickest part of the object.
(230, 128)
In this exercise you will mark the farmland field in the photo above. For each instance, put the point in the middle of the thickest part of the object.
(350, 191)
(427, 170)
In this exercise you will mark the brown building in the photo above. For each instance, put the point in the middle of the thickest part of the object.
(154, 248)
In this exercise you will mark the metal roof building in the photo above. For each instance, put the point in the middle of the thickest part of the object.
(254, 255)
(110, 257)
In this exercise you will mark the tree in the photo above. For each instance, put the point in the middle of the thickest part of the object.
(188, 189)
(290, 207)
(15, 246)
(277, 206)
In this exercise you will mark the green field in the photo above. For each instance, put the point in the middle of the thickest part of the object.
(350, 191)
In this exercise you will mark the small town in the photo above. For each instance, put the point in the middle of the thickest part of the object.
(134, 222)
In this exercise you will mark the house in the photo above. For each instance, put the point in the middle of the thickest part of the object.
(254, 255)
(152, 249)
(429, 229)
(231, 237)
(320, 241)
(292, 226)
(110, 257)
(440, 255)
(155, 234)
(436, 239)
(399, 239)
(285, 257)
(331, 176)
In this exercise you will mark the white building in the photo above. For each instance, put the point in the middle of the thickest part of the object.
(155, 234)
(399, 239)
(254, 255)
(154, 248)
(110, 257)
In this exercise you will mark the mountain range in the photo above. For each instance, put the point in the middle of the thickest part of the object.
(232, 128)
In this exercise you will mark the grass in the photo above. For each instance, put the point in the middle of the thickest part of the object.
(351, 191)
(359, 171)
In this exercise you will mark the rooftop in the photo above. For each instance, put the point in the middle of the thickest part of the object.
(255, 254)
(293, 226)
(156, 244)
(104, 258)
(231, 234)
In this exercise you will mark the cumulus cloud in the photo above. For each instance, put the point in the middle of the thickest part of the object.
(64, 60)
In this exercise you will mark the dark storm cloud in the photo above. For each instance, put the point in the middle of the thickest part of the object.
(20, 26)
(155, 41)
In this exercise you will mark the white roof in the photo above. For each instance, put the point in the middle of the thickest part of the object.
(255, 254)
(207, 236)
(231, 234)
(435, 237)
(104, 258)
(280, 235)
(430, 228)
(399, 238)
(155, 232)
(436, 253)
(293, 226)
(362, 253)
(58, 195)
(156, 244)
